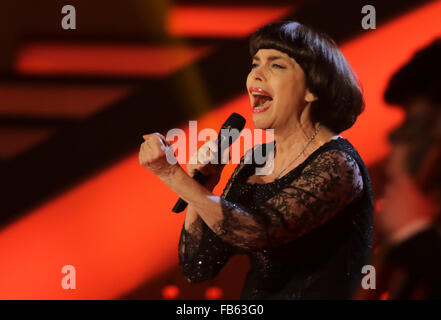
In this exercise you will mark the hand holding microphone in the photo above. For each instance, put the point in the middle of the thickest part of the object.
(203, 161)
(205, 171)
(155, 153)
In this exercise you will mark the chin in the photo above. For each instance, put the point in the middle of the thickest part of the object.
(260, 122)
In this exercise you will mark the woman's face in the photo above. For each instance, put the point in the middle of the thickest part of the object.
(277, 90)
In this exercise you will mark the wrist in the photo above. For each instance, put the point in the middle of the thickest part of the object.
(169, 174)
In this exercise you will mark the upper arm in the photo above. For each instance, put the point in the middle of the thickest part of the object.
(326, 185)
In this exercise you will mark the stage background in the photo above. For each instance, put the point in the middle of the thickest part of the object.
(74, 105)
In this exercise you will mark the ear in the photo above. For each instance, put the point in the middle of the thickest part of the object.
(309, 96)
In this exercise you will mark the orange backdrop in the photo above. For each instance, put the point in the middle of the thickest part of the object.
(117, 228)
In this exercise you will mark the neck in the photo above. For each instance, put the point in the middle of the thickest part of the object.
(292, 140)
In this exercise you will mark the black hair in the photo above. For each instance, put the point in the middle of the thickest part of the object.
(327, 73)
(418, 78)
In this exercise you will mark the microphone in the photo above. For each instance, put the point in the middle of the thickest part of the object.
(224, 140)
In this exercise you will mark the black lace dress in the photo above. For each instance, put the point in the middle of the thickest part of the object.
(307, 234)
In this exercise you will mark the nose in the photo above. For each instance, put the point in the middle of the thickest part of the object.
(257, 74)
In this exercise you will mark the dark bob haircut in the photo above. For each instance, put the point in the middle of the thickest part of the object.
(327, 73)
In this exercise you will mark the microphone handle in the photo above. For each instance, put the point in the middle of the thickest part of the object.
(182, 204)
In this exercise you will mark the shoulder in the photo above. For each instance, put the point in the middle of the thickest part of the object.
(335, 160)
(336, 168)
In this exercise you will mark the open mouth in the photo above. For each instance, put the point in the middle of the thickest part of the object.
(261, 100)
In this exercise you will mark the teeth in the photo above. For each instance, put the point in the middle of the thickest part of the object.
(259, 94)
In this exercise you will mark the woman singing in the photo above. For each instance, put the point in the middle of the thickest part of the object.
(307, 226)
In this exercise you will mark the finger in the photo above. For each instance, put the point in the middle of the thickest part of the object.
(162, 139)
(146, 151)
(151, 140)
(212, 145)
(204, 154)
(142, 153)
(211, 151)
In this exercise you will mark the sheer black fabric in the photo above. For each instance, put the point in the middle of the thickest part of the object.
(307, 234)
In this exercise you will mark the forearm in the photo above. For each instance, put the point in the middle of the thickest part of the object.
(232, 226)
(202, 200)
(193, 223)
(192, 215)
(202, 254)
(213, 210)
(191, 236)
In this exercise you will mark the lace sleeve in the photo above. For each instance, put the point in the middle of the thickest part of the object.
(202, 254)
(328, 183)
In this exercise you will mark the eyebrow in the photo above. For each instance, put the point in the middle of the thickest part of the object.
(270, 58)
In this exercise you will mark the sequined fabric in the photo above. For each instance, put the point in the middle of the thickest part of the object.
(307, 234)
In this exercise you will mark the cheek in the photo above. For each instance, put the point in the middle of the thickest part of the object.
(289, 100)
(292, 90)
(285, 92)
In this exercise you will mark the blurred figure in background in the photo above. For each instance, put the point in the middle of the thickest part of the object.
(409, 263)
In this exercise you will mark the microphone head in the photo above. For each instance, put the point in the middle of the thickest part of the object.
(230, 130)
(234, 121)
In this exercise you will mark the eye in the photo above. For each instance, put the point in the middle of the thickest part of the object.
(278, 66)
(253, 65)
